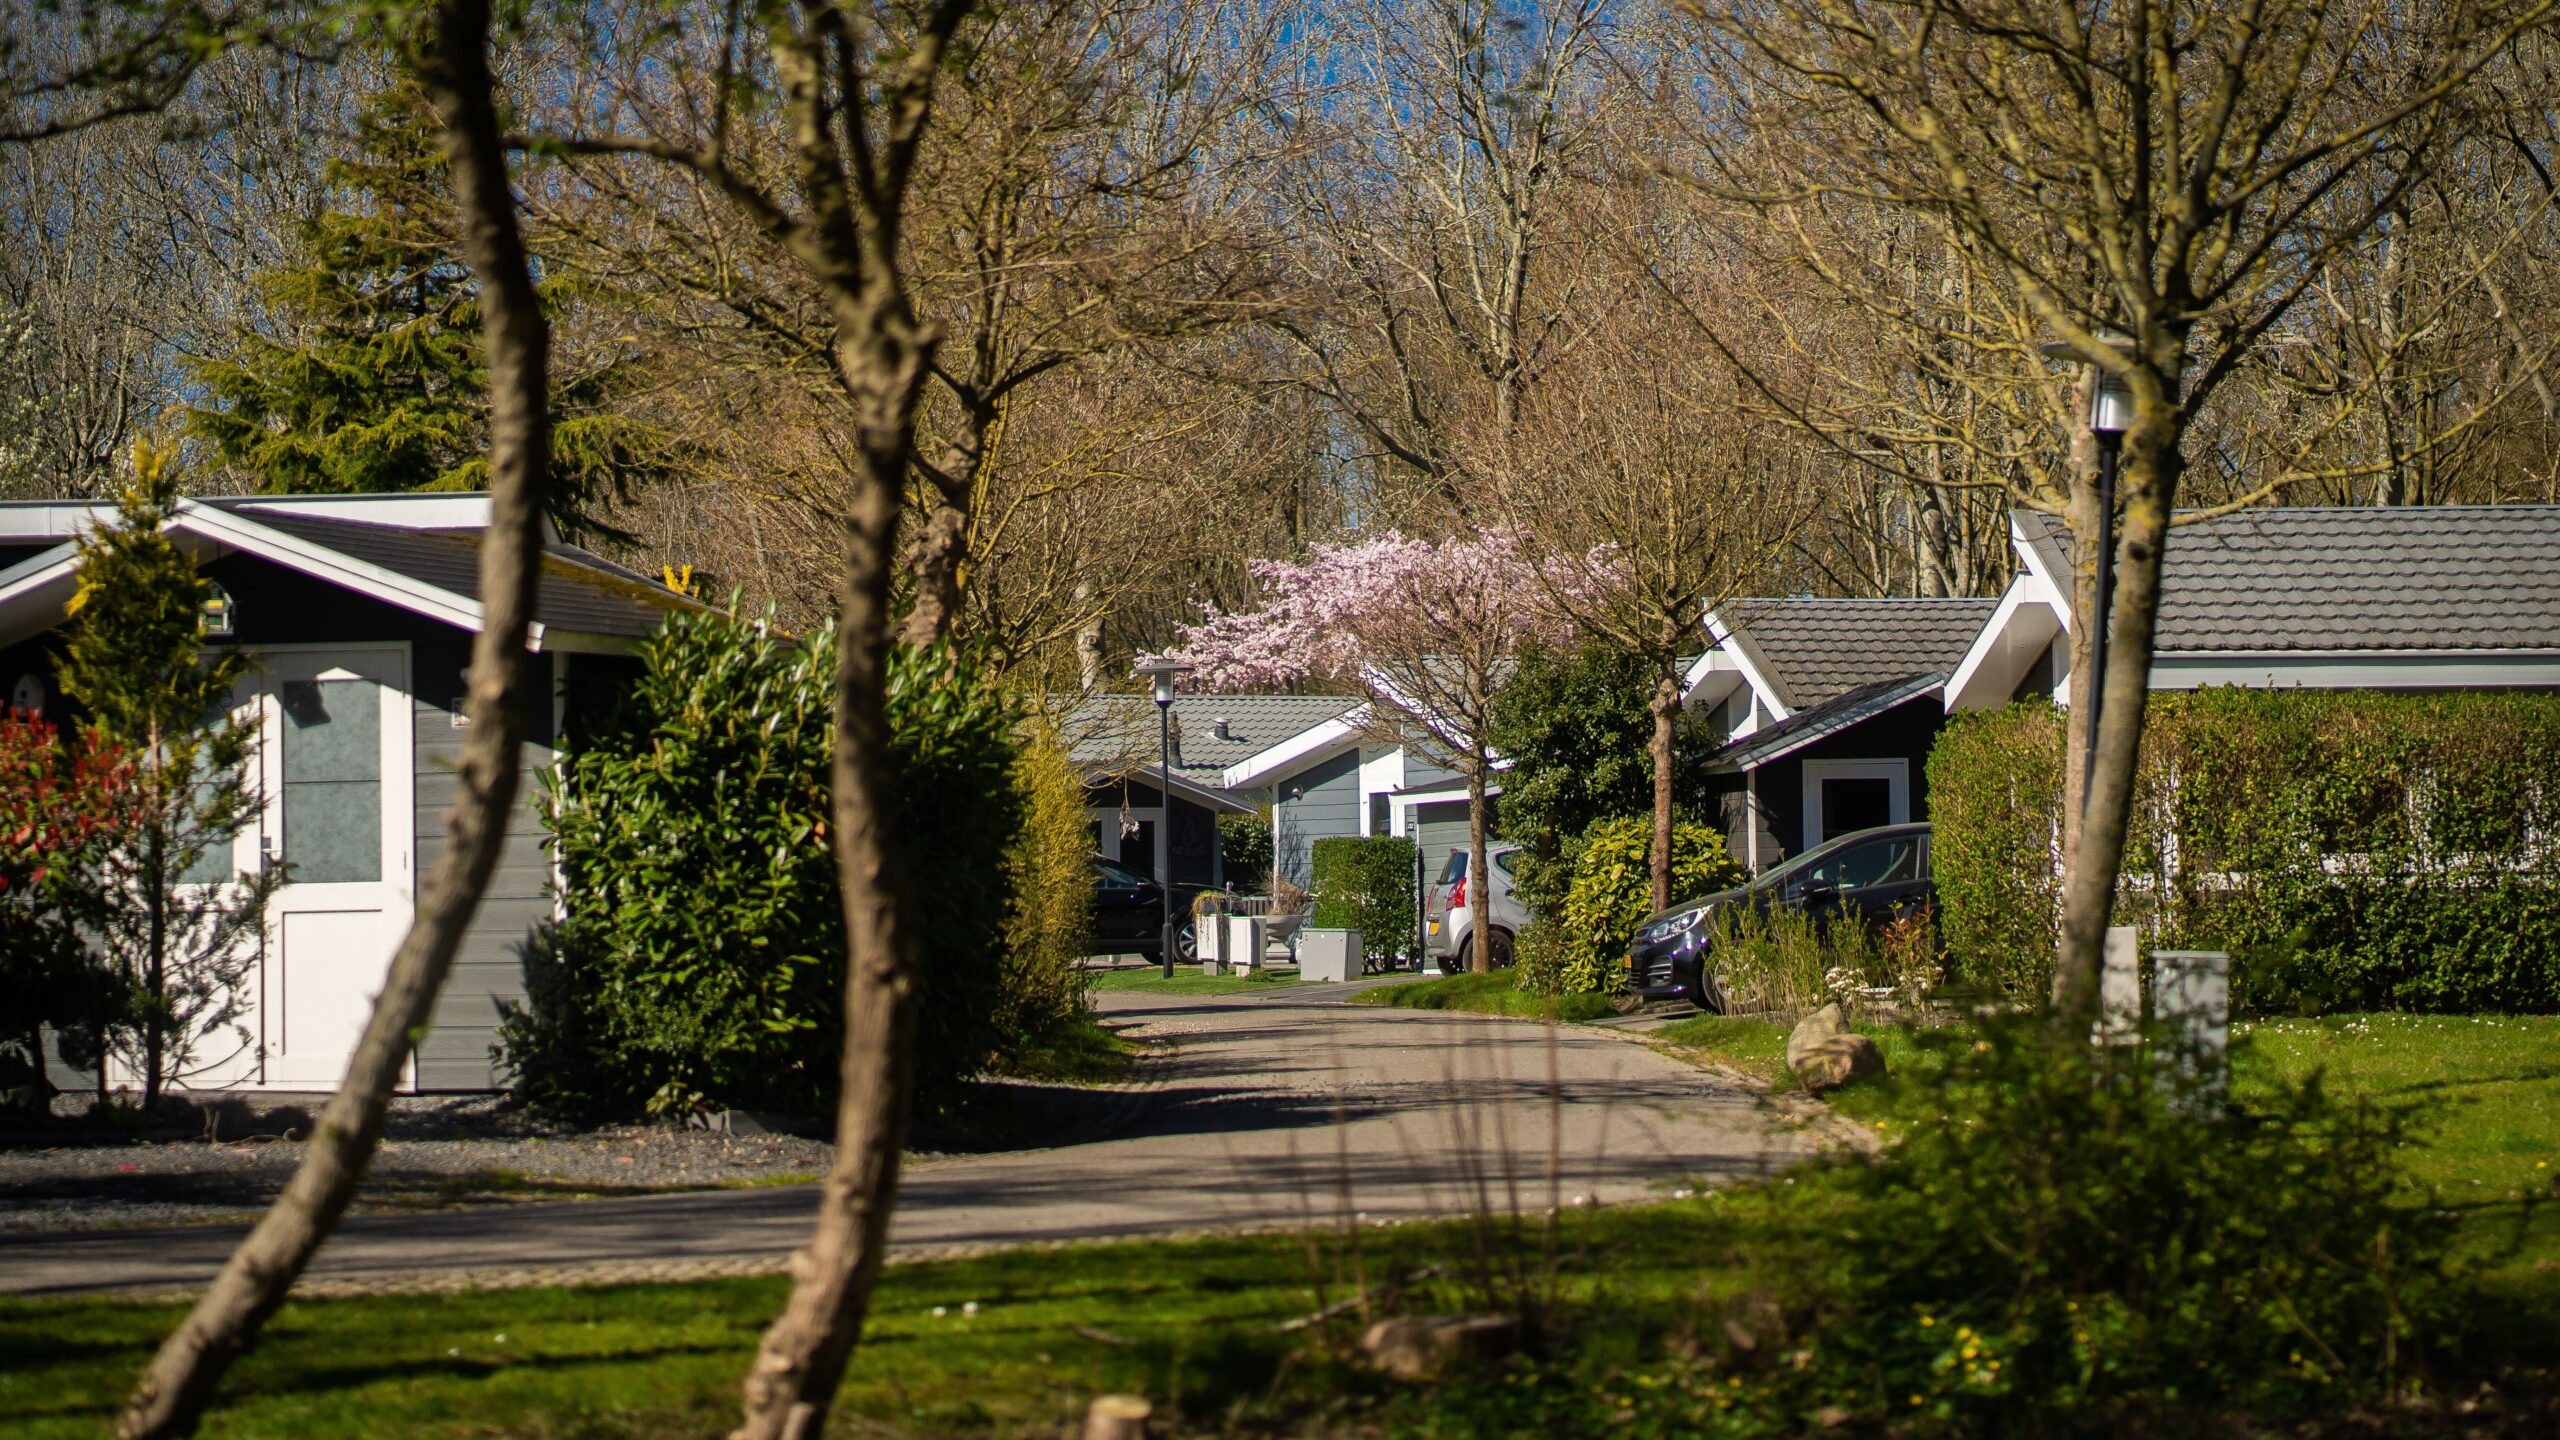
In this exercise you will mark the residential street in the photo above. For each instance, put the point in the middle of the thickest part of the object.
(1274, 1109)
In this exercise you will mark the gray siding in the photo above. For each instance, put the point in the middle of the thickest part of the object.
(489, 968)
(1319, 801)
(1419, 772)
(1441, 829)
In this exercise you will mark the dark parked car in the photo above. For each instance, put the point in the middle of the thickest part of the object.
(1128, 914)
(1874, 875)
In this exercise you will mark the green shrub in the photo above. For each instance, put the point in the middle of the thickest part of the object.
(2353, 849)
(1612, 893)
(1365, 883)
(1770, 962)
(1244, 850)
(1049, 922)
(700, 961)
(2054, 1238)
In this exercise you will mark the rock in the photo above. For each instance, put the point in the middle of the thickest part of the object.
(1832, 1063)
(1823, 1024)
(226, 1117)
(1417, 1347)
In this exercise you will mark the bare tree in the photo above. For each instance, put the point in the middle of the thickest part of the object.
(823, 177)
(452, 60)
(1657, 495)
(2178, 173)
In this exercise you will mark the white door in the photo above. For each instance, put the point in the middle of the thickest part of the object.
(334, 765)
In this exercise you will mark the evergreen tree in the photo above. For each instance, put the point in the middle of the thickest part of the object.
(179, 929)
(373, 380)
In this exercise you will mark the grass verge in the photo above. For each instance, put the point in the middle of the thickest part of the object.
(1085, 1051)
(1186, 981)
(1494, 994)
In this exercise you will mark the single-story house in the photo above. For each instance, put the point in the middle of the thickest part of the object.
(1826, 710)
(2447, 597)
(1116, 740)
(1336, 775)
(357, 614)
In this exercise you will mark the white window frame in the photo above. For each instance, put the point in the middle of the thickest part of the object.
(1896, 774)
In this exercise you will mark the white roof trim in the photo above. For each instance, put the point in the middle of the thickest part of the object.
(43, 586)
(1754, 666)
(2046, 560)
(1298, 751)
(430, 510)
(333, 566)
(50, 520)
(1988, 674)
(1441, 796)
(1192, 790)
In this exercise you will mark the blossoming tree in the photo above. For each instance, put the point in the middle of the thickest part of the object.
(1425, 629)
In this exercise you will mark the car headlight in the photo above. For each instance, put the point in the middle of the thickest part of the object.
(1671, 927)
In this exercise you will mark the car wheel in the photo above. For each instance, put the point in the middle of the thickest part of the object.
(1186, 942)
(1501, 947)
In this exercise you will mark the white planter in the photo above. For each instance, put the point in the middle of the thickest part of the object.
(1329, 955)
(1209, 933)
(1245, 939)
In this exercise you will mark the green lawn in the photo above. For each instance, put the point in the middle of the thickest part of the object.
(1494, 994)
(1190, 1324)
(1083, 1052)
(1187, 980)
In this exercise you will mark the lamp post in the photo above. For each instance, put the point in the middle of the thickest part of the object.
(2110, 415)
(1160, 673)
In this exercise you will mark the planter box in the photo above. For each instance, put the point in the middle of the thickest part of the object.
(1246, 935)
(1329, 955)
(1209, 934)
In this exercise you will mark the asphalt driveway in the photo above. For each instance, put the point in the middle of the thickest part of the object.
(1275, 1109)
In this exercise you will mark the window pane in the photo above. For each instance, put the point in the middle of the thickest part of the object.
(1849, 806)
(332, 739)
(1887, 862)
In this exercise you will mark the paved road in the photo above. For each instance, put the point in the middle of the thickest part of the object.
(1273, 1110)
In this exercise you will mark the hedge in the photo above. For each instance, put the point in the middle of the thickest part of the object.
(1365, 883)
(2354, 850)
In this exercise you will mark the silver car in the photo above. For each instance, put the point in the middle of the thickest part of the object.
(1450, 910)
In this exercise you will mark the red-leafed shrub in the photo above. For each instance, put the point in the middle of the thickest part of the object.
(65, 804)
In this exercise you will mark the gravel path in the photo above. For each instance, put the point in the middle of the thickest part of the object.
(1272, 1111)
(439, 1153)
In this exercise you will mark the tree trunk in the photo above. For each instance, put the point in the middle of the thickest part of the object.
(1666, 709)
(2152, 465)
(881, 355)
(2081, 515)
(180, 1381)
(1479, 882)
(940, 550)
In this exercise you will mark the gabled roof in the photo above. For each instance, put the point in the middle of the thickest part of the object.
(1812, 651)
(1832, 716)
(2366, 578)
(419, 553)
(1107, 731)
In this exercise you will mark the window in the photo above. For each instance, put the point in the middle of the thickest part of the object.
(1894, 861)
(1507, 861)
(1455, 870)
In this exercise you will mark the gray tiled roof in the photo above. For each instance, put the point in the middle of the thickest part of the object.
(1823, 649)
(2451, 577)
(1106, 731)
(577, 591)
(1832, 716)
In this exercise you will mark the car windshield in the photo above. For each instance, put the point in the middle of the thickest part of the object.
(1117, 877)
(1848, 863)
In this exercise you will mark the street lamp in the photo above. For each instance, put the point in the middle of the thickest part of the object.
(1160, 673)
(2110, 415)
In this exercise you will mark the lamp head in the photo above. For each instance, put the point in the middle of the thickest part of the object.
(2110, 398)
(1160, 673)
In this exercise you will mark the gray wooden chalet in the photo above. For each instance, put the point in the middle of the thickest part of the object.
(356, 615)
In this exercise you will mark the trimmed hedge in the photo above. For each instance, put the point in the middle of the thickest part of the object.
(2354, 850)
(1365, 883)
